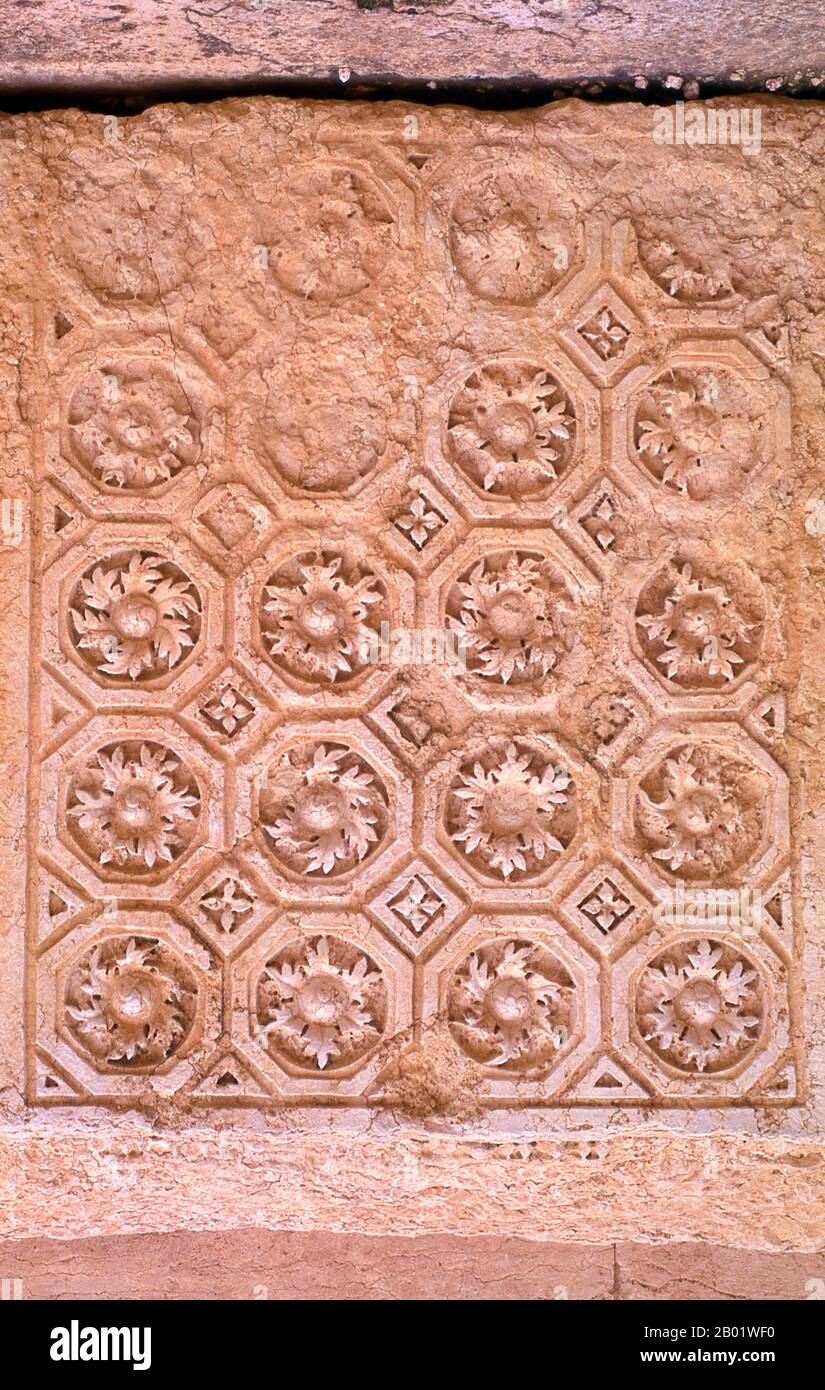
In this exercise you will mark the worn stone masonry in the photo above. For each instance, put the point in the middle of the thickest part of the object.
(412, 566)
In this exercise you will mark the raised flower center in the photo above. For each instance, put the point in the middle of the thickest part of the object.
(319, 809)
(134, 807)
(697, 621)
(508, 808)
(699, 427)
(135, 617)
(133, 999)
(510, 616)
(699, 1003)
(698, 813)
(509, 1001)
(322, 1000)
(511, 428)
(321, 619)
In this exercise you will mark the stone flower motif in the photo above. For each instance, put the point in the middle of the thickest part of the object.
(700, 434)
(321, 1002)
(511, 429)
(324, 810)
(332, 236)
(228, 904)
(700, 1006)
(700, 812)
(133, 426)
(511, 810)
(509, 239)
(135, 615)
(130, 1002)
(511, 1005)
(697, 633)
(320, 615)
(133, 806)
(606, 335)
(420, 522)
(512, 616)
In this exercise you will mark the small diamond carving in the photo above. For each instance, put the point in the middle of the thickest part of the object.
(605, 333)
(420, 521)
(606, 906)
(417, 907)
(228, 711)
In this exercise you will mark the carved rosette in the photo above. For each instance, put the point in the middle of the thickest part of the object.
(511, 810)
(700, 1005)
(513, 618)
(134, 616)
(511, 429)
(130, 1001)
(320, 1003)
(321, 616)
(701, 433)
(512, 1005)
(324, 809)
(699, 628)
(133, 807)
(132, 426)
(700, 812)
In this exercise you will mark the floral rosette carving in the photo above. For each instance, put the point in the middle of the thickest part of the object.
(132, 425)
(701, 434)
(512, 1005)
(324, 437)
(512, 430)
(700, 1005)
(133, 806)
(320, 615)
(513, 617)
(700, 812)
(511, 810)
(324, 809)
(130, 1002)
(134, 615)
(512, 238)
(333, 234)
(321, 1003)
(696, 630)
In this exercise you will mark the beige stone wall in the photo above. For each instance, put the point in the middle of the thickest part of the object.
(318, 919)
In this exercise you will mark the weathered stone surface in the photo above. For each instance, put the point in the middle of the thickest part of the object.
(151, 42)
(273, 1265)
(413, 557)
